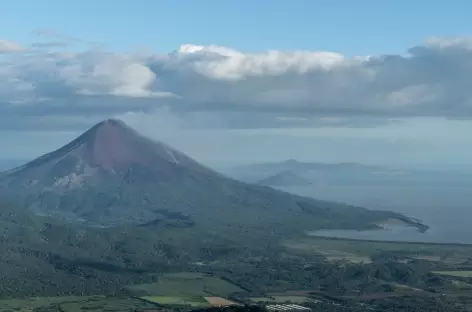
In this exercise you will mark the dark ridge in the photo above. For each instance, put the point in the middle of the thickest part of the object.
(284, 178)
(150, 223)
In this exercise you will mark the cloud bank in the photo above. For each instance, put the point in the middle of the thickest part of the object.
(7, 46)
(213, 86)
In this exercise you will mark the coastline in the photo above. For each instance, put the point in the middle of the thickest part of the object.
(410, 221)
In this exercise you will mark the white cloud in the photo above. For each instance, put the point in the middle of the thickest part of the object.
(192, 48)
(214, 86)
(99, 73)
(448, 42)
(224, 63)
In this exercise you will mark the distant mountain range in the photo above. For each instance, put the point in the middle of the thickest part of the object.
(284, 178)
(305, 172)
(345, 174)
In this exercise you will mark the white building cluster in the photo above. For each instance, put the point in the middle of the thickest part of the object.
(287, 307)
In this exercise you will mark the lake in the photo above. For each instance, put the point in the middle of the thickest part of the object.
(447, 210)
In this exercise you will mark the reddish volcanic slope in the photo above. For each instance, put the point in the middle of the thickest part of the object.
(111, 146)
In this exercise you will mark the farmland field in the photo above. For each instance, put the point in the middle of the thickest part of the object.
(185, 285)
(218, 301)
(455, 273)
(195, 301)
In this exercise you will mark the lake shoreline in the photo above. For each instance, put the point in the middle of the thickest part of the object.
(408, 221)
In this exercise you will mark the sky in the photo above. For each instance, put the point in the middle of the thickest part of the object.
(229, 82)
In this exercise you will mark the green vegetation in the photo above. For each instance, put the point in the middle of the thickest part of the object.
(330, 247)
(74, 304)
(195, 301)
(336, 255)
(282, 269)
(184, 288)
(186, 284)
(399, 277)
(461, 284)
(454, 273)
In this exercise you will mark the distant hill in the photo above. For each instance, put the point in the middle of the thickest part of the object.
(284, 178)
(295, 165)
(311, 171)
(349, 174)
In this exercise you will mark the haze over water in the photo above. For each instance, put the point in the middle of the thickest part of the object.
(447, 210)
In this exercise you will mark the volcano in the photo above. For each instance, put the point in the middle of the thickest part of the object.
(111, 175)
(110, 147)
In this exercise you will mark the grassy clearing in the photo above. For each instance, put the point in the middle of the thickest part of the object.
(193, 301)
(349, 258)
(454, 273)
(260, 299)
(186, 285)
(454, 260)
(184, 275)
(332, 254)
(218, 301)
(428, 258)
(74, 304)
(401, 288)
(461, 284)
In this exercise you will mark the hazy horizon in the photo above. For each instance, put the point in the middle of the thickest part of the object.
(243, 92)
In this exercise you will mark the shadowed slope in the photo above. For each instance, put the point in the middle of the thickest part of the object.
(284, 178)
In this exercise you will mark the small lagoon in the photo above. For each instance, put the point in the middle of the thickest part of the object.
(446, 210)
(394, 233)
